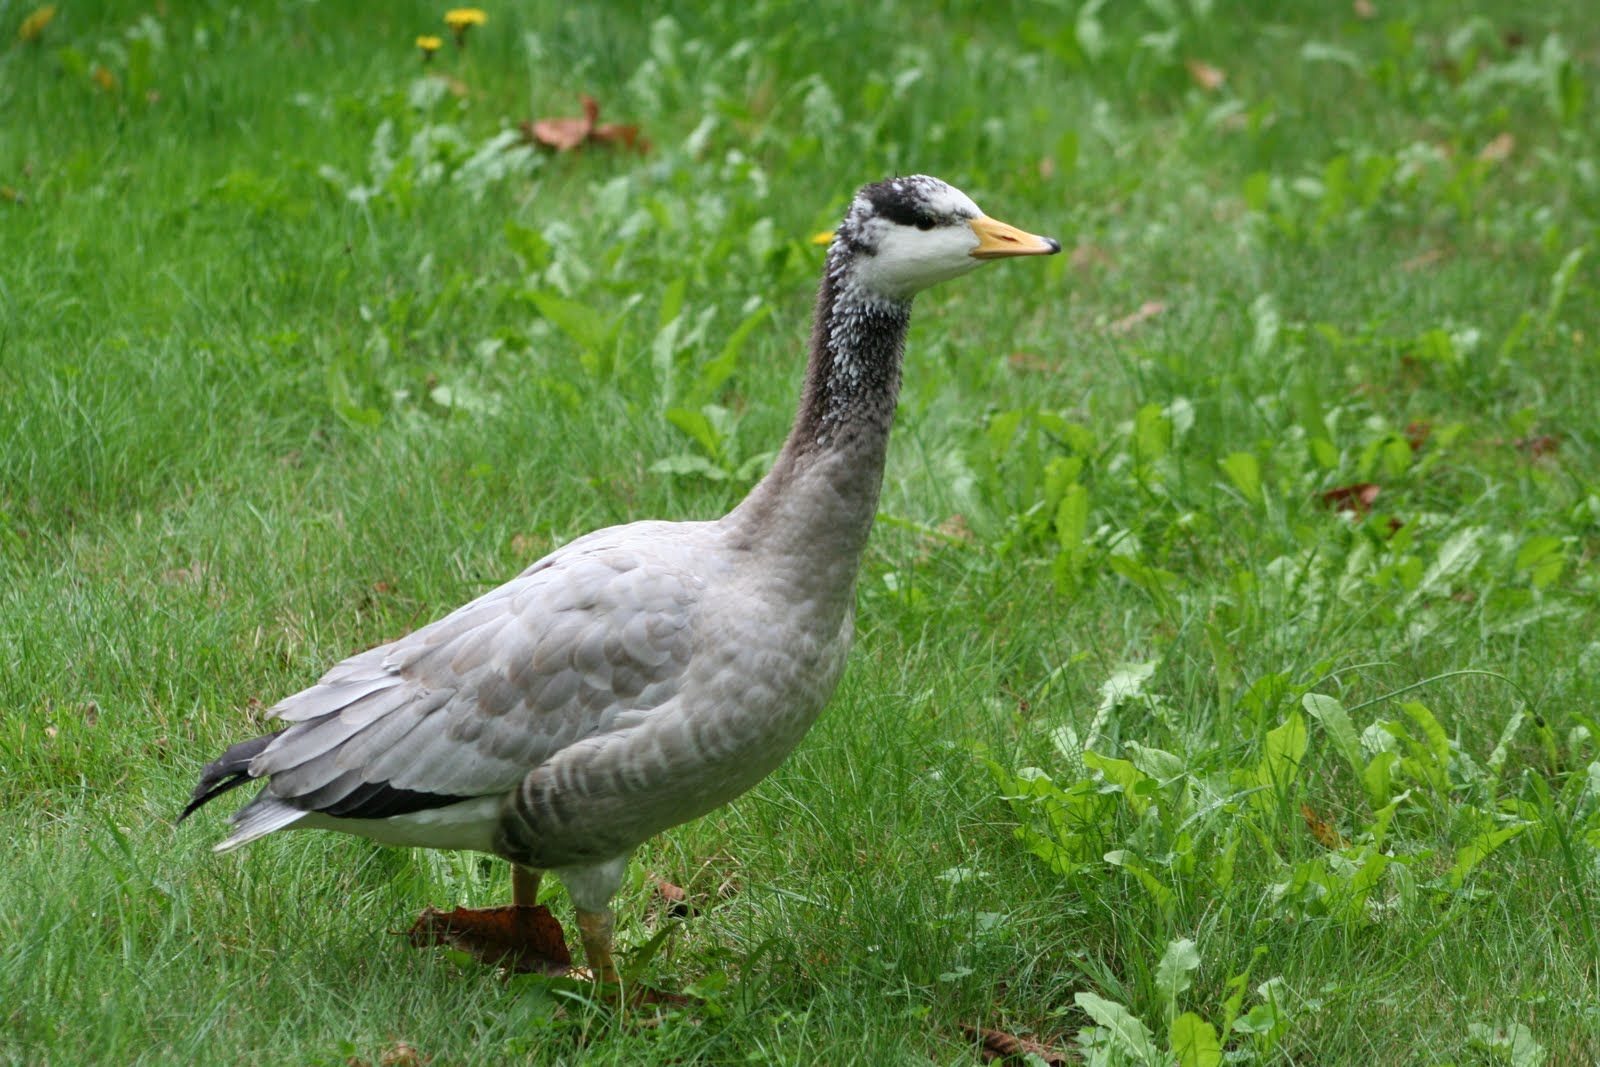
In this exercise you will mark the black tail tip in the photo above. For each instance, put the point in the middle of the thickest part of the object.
(227, 772)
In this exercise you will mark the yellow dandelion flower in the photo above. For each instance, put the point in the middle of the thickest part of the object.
(104, 78)
(429, 45)
(32, 27)
(823, 238)
(462, 19)
(458, 17)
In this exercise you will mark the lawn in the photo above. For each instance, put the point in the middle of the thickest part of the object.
(1228, 644)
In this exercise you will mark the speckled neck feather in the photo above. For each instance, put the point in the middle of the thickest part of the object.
(825, 482)
(853, 377)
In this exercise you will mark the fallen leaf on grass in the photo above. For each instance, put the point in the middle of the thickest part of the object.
(996, 1046)
(1417, 433)
(399, 1054)
(518, 938)
(402, 1054)
(1499, 149)
(1356, 498)
(569, 132)
(565, 134)
(677, 900)
(956, 529)
(1147, 310)
(1538, 445)
(1327, 835)
(1205, 75)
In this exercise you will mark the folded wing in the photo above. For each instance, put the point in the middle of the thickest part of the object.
(590, 640)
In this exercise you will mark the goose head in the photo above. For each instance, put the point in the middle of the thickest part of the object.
(902, 235)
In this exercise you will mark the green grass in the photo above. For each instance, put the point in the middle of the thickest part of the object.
(271, 393)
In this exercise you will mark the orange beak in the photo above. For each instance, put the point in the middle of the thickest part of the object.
(997, 240)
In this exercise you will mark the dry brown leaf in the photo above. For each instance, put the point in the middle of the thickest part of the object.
(627, 136)
(1327, 835)
(997, 1046)
(677, 900)
(517, 938)
(1499, 149)
(1147, 310)
(1205, 75)
(1356, 498)
(567, 133)
(402, 1054)
(1539, 444)
(1417, 433)
(1364, 9)
(956, 529)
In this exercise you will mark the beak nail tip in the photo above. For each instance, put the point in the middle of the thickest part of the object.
(1055, 245)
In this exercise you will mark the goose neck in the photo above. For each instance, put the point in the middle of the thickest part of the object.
(822, 492)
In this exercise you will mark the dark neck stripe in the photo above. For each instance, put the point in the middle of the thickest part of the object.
(853, 376)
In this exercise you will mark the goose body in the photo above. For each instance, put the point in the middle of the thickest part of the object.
(644, 674)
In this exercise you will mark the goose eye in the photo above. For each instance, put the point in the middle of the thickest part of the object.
(924, 223)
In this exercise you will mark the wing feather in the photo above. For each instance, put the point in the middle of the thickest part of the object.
(583, 643)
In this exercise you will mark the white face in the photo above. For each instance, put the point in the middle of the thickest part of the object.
(918, 231)
(909, 259)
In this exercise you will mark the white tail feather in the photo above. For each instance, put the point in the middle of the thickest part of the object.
(257, 819)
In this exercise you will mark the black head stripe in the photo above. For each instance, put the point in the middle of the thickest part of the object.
(900, 201)
(897, 208)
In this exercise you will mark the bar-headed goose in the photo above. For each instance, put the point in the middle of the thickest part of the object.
(644, 674)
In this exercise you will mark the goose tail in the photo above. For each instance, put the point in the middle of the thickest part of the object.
(227, 772)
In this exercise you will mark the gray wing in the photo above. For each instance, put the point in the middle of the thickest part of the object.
(588, 641)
